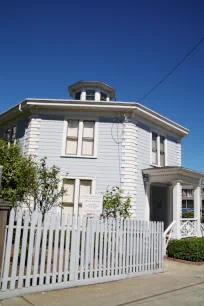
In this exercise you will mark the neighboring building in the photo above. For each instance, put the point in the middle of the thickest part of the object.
(188, 198)
(101, 143)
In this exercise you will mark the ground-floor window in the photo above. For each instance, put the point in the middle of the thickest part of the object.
(76, 189)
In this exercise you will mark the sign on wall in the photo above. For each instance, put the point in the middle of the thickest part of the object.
(92, 205)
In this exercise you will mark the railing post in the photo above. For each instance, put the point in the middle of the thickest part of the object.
(197, 207)
(4, 212)
(177, 209)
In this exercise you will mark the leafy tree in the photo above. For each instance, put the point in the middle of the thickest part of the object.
(45, 189)
(18, 173)
(115, 204)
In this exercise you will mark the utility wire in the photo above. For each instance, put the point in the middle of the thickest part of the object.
(168, 74)
(185, 57)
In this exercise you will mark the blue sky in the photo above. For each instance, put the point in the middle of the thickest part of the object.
(131, 45)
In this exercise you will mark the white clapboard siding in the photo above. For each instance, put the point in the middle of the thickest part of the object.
(47, 252)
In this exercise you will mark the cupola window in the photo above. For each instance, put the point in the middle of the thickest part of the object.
(90, 94)
(103, 96)
(78, 95)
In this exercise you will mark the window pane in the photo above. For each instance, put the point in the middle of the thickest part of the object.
(154, 157)
(154, 141)
(68, 198)
(103, 96)
(190, 204)
(13, 133)
(85, 188)
(88, 130)
(162, 143)
(87, 147)
(90, 94)
(8, 135)
(162, 159)
(73, 126)
(78, 95)
(71, 147)
(184, 204)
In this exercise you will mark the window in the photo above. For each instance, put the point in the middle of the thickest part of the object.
(103, 96)
(162, 151)
(78, 95)
(10, 135)
(154, 149)
(80, 138)
(68, 198)
(75, 189)
(158, 157)
(88, 138)
(90, 94)
(72, 137)
(13, 134)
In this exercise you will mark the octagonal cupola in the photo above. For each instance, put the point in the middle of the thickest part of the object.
(91, 91)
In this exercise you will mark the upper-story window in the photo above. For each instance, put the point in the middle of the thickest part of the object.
(81, 138)
(158, 150)
(90, 94)
(10, 135)
(162, 151)
(103, 96)
(78, 95)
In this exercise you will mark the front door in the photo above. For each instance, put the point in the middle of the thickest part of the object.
(159, 204)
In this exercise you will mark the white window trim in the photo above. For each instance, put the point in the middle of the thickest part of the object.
(79, 147)
(158, 149)
(76, 189)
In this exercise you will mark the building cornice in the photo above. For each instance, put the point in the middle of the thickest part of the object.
(125, 107)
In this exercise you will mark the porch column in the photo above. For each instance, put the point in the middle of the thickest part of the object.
(177, 209)
(147, 201)
(197, 207)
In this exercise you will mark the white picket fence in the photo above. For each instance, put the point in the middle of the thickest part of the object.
(61, 252)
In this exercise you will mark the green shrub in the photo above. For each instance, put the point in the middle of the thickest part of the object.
(190, 249)
(202, 219)
(188, 214)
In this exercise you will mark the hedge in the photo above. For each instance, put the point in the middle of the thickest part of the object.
(190, 249)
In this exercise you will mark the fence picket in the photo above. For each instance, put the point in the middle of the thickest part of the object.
(30, 248)
(87, 247)
(43, 252)
(50, 247)
(16, 250)
(113, 254)
(101, 247)
(124, 246)
(117, 247)
(121, 245)
(55, 258)
(67, 249)
(105, 249)
(61, 253)
(82, 248)
(134, 246)
(37, 250)
(23, 249)
(92, 235)
(96, 250)
(77, 248)
(131, 243)
(8, 251)
(109, 246)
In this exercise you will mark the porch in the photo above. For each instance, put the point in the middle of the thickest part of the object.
(163, 187)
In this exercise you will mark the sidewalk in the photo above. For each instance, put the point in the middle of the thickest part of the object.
(181, 284)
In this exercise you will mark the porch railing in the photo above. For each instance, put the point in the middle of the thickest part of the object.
(188, 227)
(168, 235)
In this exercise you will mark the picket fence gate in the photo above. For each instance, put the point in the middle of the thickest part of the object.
(61, 252)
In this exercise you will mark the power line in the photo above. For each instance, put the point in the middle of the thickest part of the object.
(168, 74)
